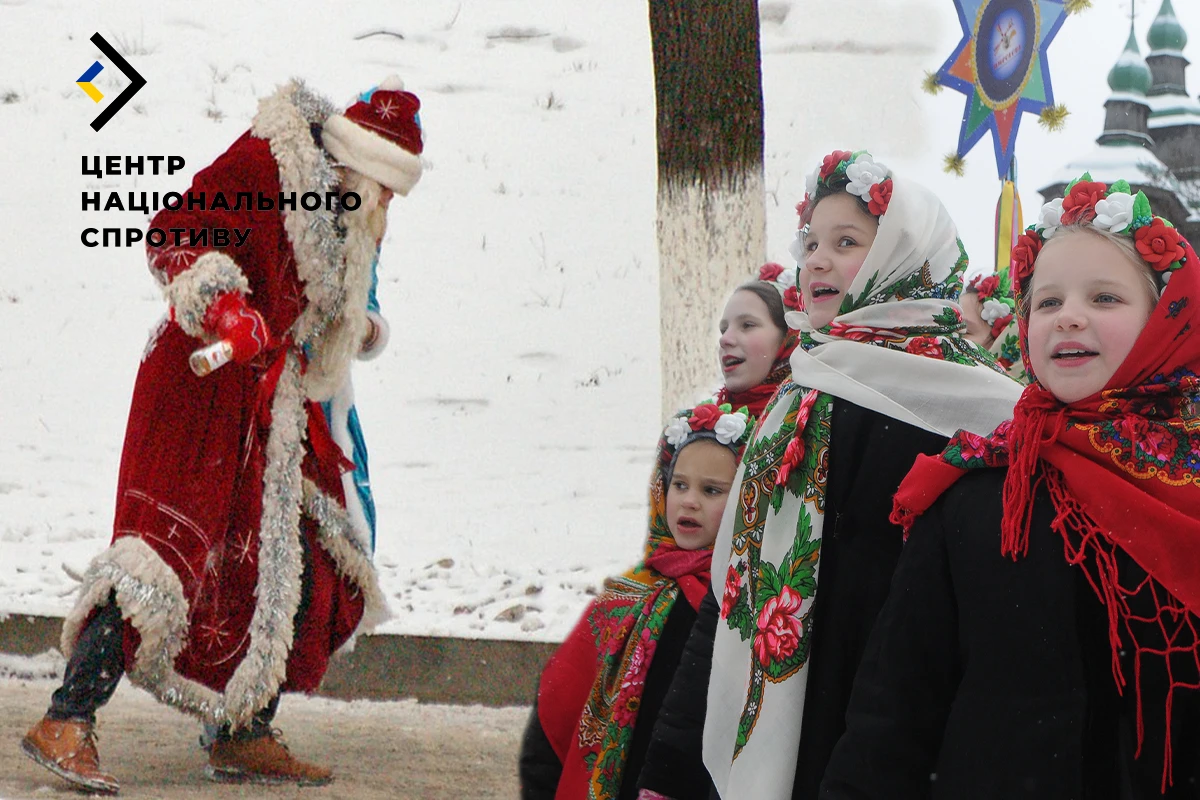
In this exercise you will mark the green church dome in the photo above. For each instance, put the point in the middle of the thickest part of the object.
(1165, 32)
(1130, 73)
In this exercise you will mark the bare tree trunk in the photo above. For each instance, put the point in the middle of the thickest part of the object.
(711, 206)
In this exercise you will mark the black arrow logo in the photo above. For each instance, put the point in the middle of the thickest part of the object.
(136, 82)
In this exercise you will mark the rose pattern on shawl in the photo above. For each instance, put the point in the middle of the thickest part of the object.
(926, 346)
(792, 455)
(770, 610)
(779, 627)
(733, 589)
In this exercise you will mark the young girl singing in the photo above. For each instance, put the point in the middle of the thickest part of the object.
(1040, 639)
(883, 374)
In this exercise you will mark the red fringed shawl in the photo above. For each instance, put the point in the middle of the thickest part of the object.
(1123, 471)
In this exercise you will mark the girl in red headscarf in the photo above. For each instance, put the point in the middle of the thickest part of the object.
(600, 693)
(1040, 639)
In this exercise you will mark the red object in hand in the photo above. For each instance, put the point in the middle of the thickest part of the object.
(230, 318)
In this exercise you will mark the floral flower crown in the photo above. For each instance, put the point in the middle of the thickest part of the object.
(859, 173)
(709, 420)
(784, 281)
(996, 299)
(1113, 208)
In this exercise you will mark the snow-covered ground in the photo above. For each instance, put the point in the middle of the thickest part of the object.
(512, 420)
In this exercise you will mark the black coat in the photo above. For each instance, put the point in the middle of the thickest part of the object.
(869, 454)
(538, 764)
(989, 678)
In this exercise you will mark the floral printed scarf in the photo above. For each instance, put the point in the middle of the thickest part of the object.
(591, 690)
(1123, 466)
(895, 347)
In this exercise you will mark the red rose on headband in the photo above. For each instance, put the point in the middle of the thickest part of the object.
(1024, 253)
(1159, 244)
(830, 163)
(792, 299)
(802, 209)
(769, 272)
(881, 195)
(704, 417)
(1080, 204)
(987, 286)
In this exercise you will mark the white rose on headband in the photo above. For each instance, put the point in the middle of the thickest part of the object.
(786, 279)
(796, 249)
(1050, 217)
(993, 310)
(729, 428)
(864, 173)
(1115, 212)
(810, 182)
(678, 431)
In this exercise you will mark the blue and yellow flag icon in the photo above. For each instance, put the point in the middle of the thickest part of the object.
(85, 82)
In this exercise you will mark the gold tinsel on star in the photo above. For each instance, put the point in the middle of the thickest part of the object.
(1076, 6)
(1052, 118)
(931, 84)
(955, 164)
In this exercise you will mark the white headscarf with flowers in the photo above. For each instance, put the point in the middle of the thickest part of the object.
(904, 301)
(895, 348)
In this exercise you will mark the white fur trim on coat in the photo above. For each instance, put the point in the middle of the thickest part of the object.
(371, 154)
(194, 289)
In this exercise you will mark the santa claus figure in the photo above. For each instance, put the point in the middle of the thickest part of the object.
(239, 561)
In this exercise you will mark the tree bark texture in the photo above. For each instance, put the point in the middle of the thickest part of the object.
(711, 204)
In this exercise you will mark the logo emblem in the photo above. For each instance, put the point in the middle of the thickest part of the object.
(136, 82)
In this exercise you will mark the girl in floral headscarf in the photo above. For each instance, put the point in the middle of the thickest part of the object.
(882, 374)
(599, 695)
(1041, 638)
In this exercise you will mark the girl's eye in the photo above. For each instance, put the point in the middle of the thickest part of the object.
(1107, 298)
(714, 491)
(1048, 302)
(748, 325)
(809, 246)
(847, 242)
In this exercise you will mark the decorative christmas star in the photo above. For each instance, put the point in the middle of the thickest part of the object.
(1001, 66)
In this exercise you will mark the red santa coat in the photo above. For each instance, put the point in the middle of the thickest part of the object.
(233, 560)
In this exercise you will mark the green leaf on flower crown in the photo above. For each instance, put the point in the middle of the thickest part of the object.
(1121, 186)
(1167, 222)
(1141, 210)
(1005, 287)
(725, 408)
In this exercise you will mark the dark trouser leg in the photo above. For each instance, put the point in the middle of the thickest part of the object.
(95, 668)
(260, 725)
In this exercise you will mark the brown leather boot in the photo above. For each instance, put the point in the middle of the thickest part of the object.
(264, 759)
(68, 749)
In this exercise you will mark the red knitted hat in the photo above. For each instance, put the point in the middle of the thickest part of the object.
(380, 136)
